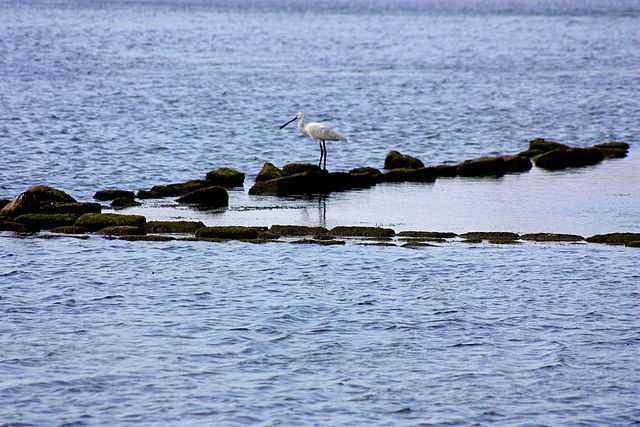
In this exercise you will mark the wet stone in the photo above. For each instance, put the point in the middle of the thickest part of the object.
(357, 231)
(112, 194)
(490, 235)
(12, 226)
(269, 171)
(209, 197)
(436, 234)
(230, 232)
(614, 238)
(395, 160)
(225, 177)
(319, 242)
(551, 237)
(124, 202)
(297, 230)
(569, 158)
(96, 222)
(173, 190)
(298, 168)
(39, 221)
(176, 227)
(146, 238)
(69, 229)
(121, 230)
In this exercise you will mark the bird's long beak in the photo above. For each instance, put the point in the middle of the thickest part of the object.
(292, 120)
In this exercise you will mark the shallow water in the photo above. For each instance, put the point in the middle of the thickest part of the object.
(129, 95)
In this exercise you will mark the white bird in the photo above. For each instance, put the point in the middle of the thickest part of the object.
(321, 132)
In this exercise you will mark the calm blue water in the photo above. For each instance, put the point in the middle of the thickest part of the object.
(126, 94)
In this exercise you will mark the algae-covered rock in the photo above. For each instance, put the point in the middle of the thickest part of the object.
(4, 202)
(69, 229)
(614, 238)
(112, 194)
(146, 238)
(357, 231)
(298, 168)
(12, 226)
(365, 171)
(384, 244)
(395, 160)
(504, 242)
(318, 242)
(96, 222)
(551, 237)
(77, 208)
(122, 230)
(494, 166)
(44, 193)
(613, 149)
(209, 197)
(124, 202)
(312, 182)
(417, 245)
(269, 171)
(545, 145)
(617, 145)
(173, 190)
(422, 239)
(566, 158)
(409, 175)
(42, 221)
(297, 230)
(427, 234)
(229, 232)
(225, 177)
(25, 203)
(447, 171)
(633, 244)
(176, 227)
(490, 235)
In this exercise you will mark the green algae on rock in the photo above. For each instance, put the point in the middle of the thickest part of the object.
(146, 238)
(69, 229)
(225, 177)
(77, 208)
(230, 232)
(613, 149)
(42, 221)
(12, 226)
(417, 245)
(44, 193)
(633, 244)
(359, 231)
(395, 160)
(434, 234)
(298, 168)
(614, 238)
(490, 235)
(269, 171)
(112, 194)
(409, 175)
(494, 166)
(209, 197)
(176, 227)
(318, 242)
(297, 230)
(551, 237)
(569, 158)
(173, 190)
(4, 202)
(95, 222)
(124, 202)
(121, 230)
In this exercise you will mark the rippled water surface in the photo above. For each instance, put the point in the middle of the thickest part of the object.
(107, 332)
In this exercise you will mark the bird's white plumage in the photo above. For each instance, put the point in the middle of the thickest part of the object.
(318, 131)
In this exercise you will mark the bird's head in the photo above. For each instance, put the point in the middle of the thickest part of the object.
(299, 116)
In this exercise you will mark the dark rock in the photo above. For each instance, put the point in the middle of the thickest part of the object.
(422, 239)
(323, 237)
(318, 242)
(122, 230)
(229, 232)
(515, 164)
(297, 230)
(69, 229)
(210, 197)
(504, 242)
(173, 190)
(269, 171)
(12, 226)
(490, 235)
(633, 244)
(395, 160)
(124, 202)
(347, 231)
(45, 193)
(225, 177)
(614, 238)
(615, 145)
(312, 182)
(94, 221)
(177, 227)
(494, 166)
(571, 157)
(613, 149)
(41, 221)
(78, 208)
(4, 202)
(472, 241)
(409, 175)
(449, 171)
(25, 203)
(376, 244)
(146, 238)
(365, 171)
(427, 234)
(112, 194)
(542, 145)
(298, 168)
(415, 245)
(551, 237)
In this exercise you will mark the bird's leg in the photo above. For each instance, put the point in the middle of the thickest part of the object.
(321, 154)
(324, 145)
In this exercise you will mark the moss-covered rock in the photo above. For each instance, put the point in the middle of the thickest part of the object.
(318, 242)
(298, 168)
(229, 232)
(24, 203)
(633, 244)
(395, 160)
(297, 230)
(447, 171)
(78, 208)
(551, 237)
(12, 226)
(542, 145)
(418, 245)
(225, 177)
(34, 199)
(44, 193)
(471, 241)
(490, 235)
(357, 231)
(269, 171)
(122, 230)
(615, 145)
(409, 175)
(146, 238)
(567, 158)
(173, 190)
(96, 222)
(124, 202)
(112, 194)
(313, 182)
(175, 227)
(613, 149)
(41, 221)
(494, 166)
(209, 197)
(427, 234)
(422, 239)
(504, 242)
(614, 238)
(69, 229)
(365, 171)
(376, 244)
(4, 202)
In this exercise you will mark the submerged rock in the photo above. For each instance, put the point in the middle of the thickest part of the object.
(540, 146)
(490, 235)
(571, 157)
(225, 177)
(112, 194)
(494, 166)
(551, 237)
(146, 238)
(25, 203)
(613, 149)
(122, 230)
(357, 231)
(614, 238)
(77, 208)
(173, 190)
(176, 227)
(312, 182)
(42, 221)
(124, 202)
(319, 242)
(96, 222)
(365, 171)
(633, 244)
(448, 171)
(395, 160)
(298, 168)
(269, 171)
(12, 226)
(297, 230)
(416, 245)
(210, 197)
(69, 229)
(4, 202)
(230, 232)
(427, 234)
(409, 175)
